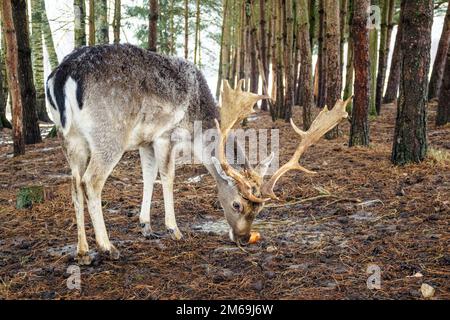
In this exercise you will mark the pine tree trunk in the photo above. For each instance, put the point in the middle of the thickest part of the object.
(264, 49)
(101, 22)
(116, 20)
(359, 130)
(48, 39)
(443, 111)
(31, 130)
(343, 23)
(410, 139)
(91, 22)
(289, 63)
(348, 89)
(312, 23)
(224, 53)
(197, 32)
(279, 65)
(305, 81)
(394, 73)
(385, 40)
(333, 78)
(12, 61)
(373, 51)
(4, 123)
(186, 29)
(439, 62)
(254, 72)
(38, 59)
(79, 9)
(322, 57)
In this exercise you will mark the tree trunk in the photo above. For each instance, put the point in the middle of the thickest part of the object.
(38, 59)
(186, 29)
(373, 51)
(394, 73)
(359, 130)
(279, 65)
(333, 76)
(385, 40)
(4, 123)
(31, 130)
(197, 32)
(116, 20)
(322, 57)
(224, 49)
(410, 139)
(264, 49)
(305, 81)
(348, 89)
(439, 62)
(312, 23)
(101, 22)
(79, 9)
(443, 111)
(289, 63)
(48, 39)
(254, 72)
(91, 22)
(343, 23)
(12, 61)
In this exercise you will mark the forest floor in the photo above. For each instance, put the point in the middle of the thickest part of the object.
(367, 211)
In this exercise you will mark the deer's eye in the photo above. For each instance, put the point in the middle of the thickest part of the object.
(237, 206)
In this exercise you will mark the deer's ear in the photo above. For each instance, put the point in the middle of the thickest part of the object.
(262, 167)
(220, 172)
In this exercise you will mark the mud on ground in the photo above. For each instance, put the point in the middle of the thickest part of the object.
(364, 211)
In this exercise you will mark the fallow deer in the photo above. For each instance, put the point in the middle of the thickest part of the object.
(109, 99)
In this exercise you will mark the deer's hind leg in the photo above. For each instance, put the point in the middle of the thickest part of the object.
(77, 154)
(101, 164)
(149, 173)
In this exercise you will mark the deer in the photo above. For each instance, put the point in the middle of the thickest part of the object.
(109, 99)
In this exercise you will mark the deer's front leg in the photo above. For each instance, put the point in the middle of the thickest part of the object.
(149, 173)
(166, 165)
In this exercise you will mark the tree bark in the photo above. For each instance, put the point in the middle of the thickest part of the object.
(359, 130)
(4, 123)
(79, 9)
(410, 139)
(254, 72)
(197, 32)
(289, 63)
(443, 111)
(38, 59)
(322, 57)
(348, 89)
(48, 39)
(385, 40)
(186, 29)
(439, 62)
(91, 22)
(101, 22)
(116, 20)
(263, 45)
(31, 130)
(333, 76)
(373, 51)
(343, 23)
(224, 49)
(305, 81)
(394, 73)
(12, 61)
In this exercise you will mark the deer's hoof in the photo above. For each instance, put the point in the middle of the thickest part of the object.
(175, 233)
(84, 258)
(112, 253)
(148, 233)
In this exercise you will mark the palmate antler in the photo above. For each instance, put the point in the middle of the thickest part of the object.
(324, 122)
(237, 105)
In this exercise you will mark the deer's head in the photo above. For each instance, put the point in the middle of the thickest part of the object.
(244, 192)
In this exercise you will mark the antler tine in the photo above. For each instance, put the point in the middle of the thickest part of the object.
(324, 122)
(236, 106)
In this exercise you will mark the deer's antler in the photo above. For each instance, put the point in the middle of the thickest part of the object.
(325, 121)
(236, 106)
